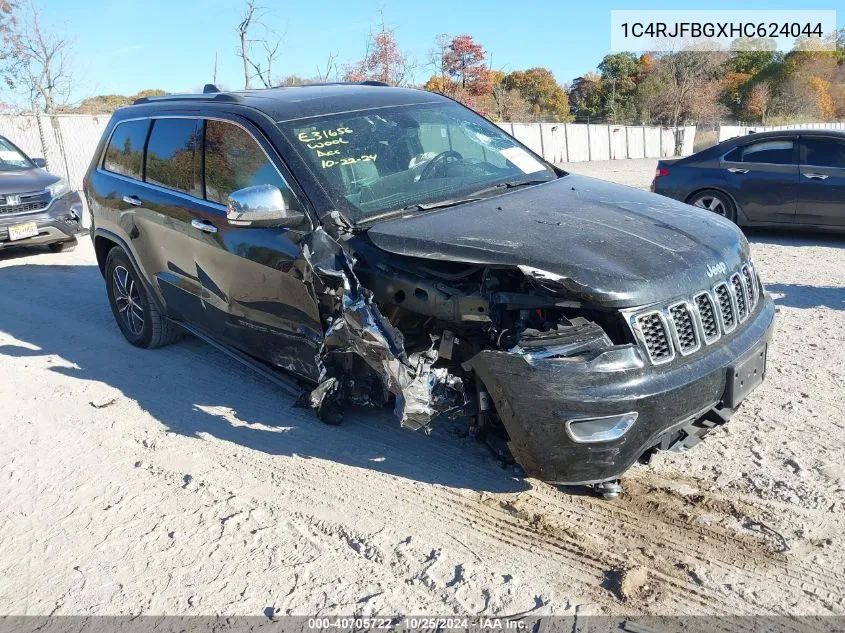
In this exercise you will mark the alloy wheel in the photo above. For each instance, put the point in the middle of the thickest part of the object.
(127, 297)
(711, 203)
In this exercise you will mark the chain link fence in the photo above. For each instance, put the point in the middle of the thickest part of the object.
(66, 141)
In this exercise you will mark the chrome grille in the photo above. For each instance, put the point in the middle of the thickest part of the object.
(26, 202)
(23, 208)
(748, 275)
(656, 337)
(723, 297)
(685, 326)
(739, 293)
(709, 324)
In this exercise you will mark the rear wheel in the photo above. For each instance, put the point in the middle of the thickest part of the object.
(714, 201)
(139, 319)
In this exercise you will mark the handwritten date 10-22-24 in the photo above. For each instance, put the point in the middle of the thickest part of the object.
(327, 163)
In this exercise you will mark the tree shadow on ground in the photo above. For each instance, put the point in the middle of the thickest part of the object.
(795, 236)
(193, 390)
(802, 296)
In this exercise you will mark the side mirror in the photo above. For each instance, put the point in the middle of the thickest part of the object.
(39, 162)
(261, 205)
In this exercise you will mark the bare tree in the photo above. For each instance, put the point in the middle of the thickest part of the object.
(40, 61)
(383, 60)
(684, 78)
(258, 66)
(760, 101)
(331, 68)
(437, 56)
(243, 36)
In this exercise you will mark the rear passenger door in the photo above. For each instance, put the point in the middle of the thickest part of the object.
(762, 176)
(822, 190)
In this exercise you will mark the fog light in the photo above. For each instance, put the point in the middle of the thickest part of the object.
(602, 429)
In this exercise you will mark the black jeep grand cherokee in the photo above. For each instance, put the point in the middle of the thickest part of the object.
(386, 245)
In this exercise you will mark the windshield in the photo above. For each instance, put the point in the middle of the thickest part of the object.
(12, 159)
(375, 161)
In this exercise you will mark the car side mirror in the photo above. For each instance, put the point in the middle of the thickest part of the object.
(261, 205)
(39, 162)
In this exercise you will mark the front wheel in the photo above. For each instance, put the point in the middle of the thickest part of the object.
(716, 202)
(138, 318)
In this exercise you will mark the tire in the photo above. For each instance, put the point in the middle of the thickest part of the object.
(63, 247)
(715, 201)
(138, 318)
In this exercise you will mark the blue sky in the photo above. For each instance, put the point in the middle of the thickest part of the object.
(123, 46)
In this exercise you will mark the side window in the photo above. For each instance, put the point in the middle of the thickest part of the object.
(734, 156)
(820, 152)
(770, 152)
(234, 160)
(125, 153)
(174, 155)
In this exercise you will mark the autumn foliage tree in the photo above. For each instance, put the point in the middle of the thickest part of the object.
(759, 101)
(464, 62)
(383, 61)
(541, 90)
(102, 104)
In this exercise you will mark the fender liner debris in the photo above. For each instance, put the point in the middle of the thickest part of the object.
(354, 325)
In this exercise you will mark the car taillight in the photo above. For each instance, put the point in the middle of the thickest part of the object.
(661, 171)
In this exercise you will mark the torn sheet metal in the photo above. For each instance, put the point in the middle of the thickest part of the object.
(353, 324)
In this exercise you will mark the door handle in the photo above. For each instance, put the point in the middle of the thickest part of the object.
(135, 201)
(204, 225)
(737, 170)
(816, 176)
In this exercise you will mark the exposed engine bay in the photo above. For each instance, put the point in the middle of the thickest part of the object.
(406, 329)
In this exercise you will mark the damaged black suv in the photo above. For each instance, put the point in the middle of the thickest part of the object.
(389, 246)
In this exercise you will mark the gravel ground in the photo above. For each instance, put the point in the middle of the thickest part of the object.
(175, 482)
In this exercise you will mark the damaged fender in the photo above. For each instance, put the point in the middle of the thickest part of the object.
(354, 326)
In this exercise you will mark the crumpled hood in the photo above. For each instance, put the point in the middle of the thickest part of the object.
(25, 181)
(612, 245)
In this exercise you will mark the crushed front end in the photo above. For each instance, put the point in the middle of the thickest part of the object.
(578, 393)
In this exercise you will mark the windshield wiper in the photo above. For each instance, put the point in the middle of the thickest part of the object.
(425, 206)
(511, 184)
(407, 211)
(443, 204)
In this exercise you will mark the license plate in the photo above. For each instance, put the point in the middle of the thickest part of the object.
(745, 376)
(22, 231)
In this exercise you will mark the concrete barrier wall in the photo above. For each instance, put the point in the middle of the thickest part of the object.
(574, 142)
(731, 131)
(531, 134)
(635, 138)
(578, 143)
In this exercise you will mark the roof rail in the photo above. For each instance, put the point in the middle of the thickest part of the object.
(210, 92)
(206, 96)
(368, 82)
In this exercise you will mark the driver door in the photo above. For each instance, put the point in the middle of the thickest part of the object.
(254, 299)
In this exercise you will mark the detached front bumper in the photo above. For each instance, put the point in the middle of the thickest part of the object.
(60, 221)
(535, 400)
